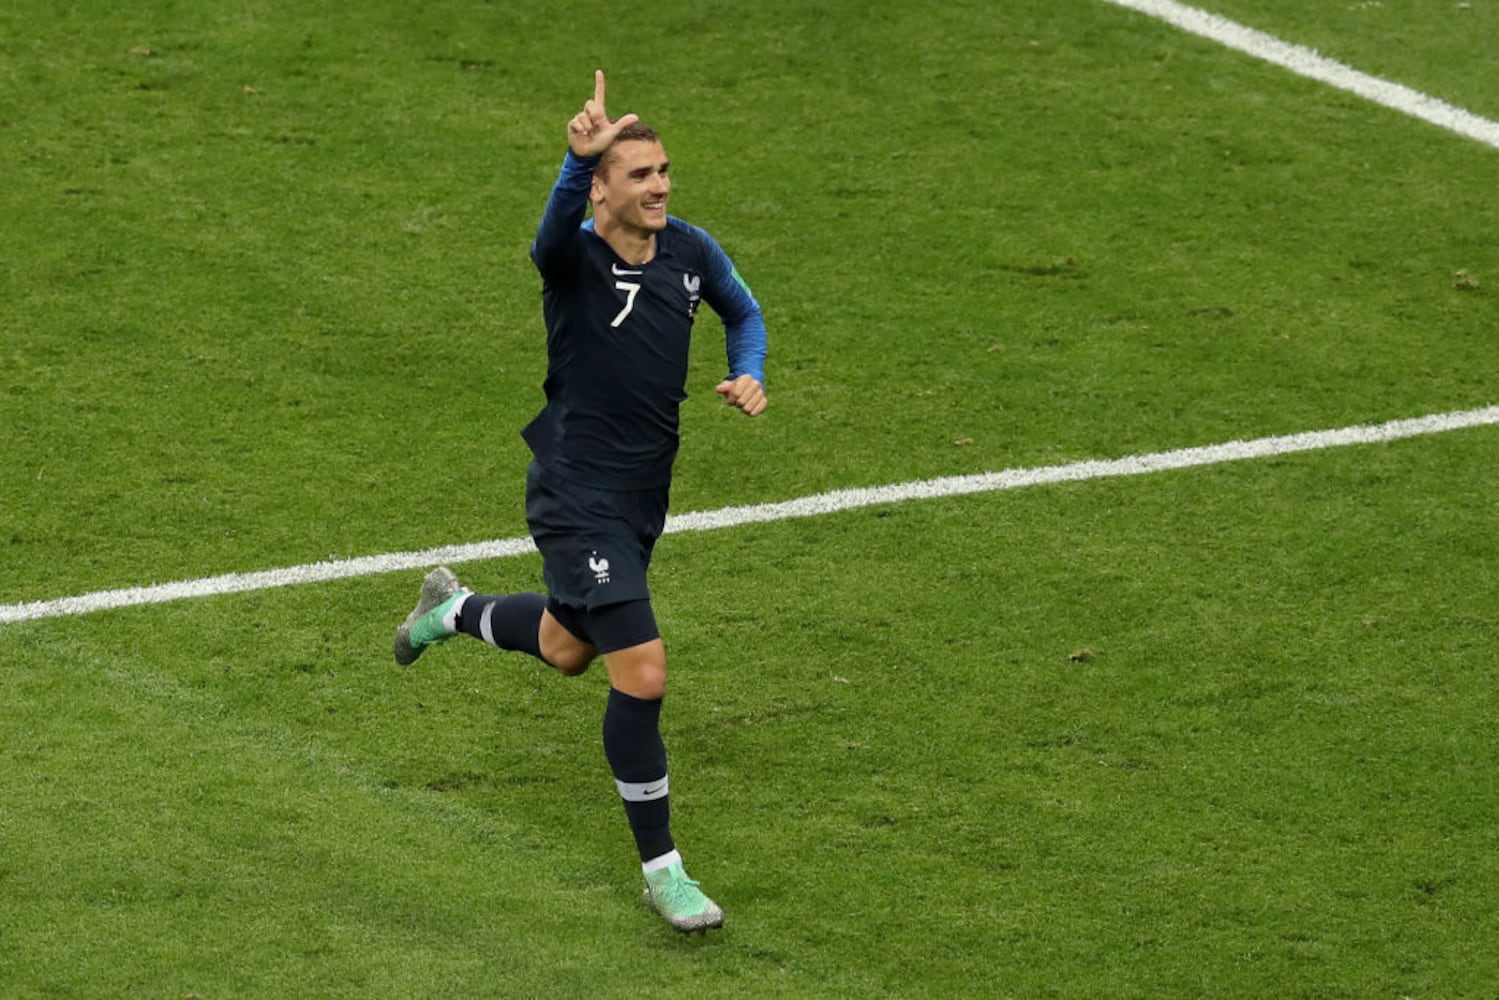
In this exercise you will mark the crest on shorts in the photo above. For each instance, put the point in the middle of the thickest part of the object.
(600, 568)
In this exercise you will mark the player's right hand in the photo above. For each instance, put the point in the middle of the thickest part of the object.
(590, 131)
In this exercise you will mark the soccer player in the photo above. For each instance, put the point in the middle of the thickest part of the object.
(619, 294)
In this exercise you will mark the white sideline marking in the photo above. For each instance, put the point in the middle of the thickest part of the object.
(1308, 63)
(728, 517)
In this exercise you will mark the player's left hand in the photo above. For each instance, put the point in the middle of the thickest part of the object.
(745, 392)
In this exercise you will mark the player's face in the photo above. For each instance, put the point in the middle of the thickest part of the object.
(633, 188)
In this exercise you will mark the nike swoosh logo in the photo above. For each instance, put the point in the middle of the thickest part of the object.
(622, 271)
(653, 791)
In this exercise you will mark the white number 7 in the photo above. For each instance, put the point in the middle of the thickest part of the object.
(629, 288)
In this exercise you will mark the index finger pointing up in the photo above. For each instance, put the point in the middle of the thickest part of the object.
(598, 87)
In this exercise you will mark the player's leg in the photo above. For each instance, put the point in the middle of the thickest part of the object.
(635, 657)
(520, 622)
(559, 518)
(528, 623)
(508, 621)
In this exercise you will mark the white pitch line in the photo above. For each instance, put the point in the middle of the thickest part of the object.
(1309, 63)
(811, 506)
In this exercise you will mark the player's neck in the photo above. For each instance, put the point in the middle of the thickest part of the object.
(633, 246)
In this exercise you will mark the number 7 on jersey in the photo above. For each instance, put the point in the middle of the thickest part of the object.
(629, 288)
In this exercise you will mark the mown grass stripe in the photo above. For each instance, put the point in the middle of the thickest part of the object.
(728, 517)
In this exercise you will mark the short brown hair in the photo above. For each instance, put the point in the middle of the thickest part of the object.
(633, 132)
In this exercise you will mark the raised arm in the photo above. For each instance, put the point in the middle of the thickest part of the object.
(589, 133)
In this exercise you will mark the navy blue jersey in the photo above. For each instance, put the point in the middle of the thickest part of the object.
(618, 337)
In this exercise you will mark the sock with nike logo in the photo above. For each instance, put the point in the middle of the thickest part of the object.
(637, 756)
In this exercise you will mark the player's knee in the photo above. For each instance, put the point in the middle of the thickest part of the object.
(639, 671)
(568, 654)
(571, 663)
(649, 685)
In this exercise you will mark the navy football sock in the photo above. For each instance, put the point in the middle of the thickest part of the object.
(512, 622)
(637, 756)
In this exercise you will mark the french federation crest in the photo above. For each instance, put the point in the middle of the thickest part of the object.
(599, 567)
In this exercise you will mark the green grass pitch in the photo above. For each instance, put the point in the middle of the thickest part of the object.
(1224, 731)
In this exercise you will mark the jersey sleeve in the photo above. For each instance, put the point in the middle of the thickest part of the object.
(565, 209)
(745, 338)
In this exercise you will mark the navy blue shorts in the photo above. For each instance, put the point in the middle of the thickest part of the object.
(610, 627)
(595, 547)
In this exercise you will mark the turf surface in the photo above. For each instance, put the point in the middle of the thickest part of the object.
(1221, 731)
